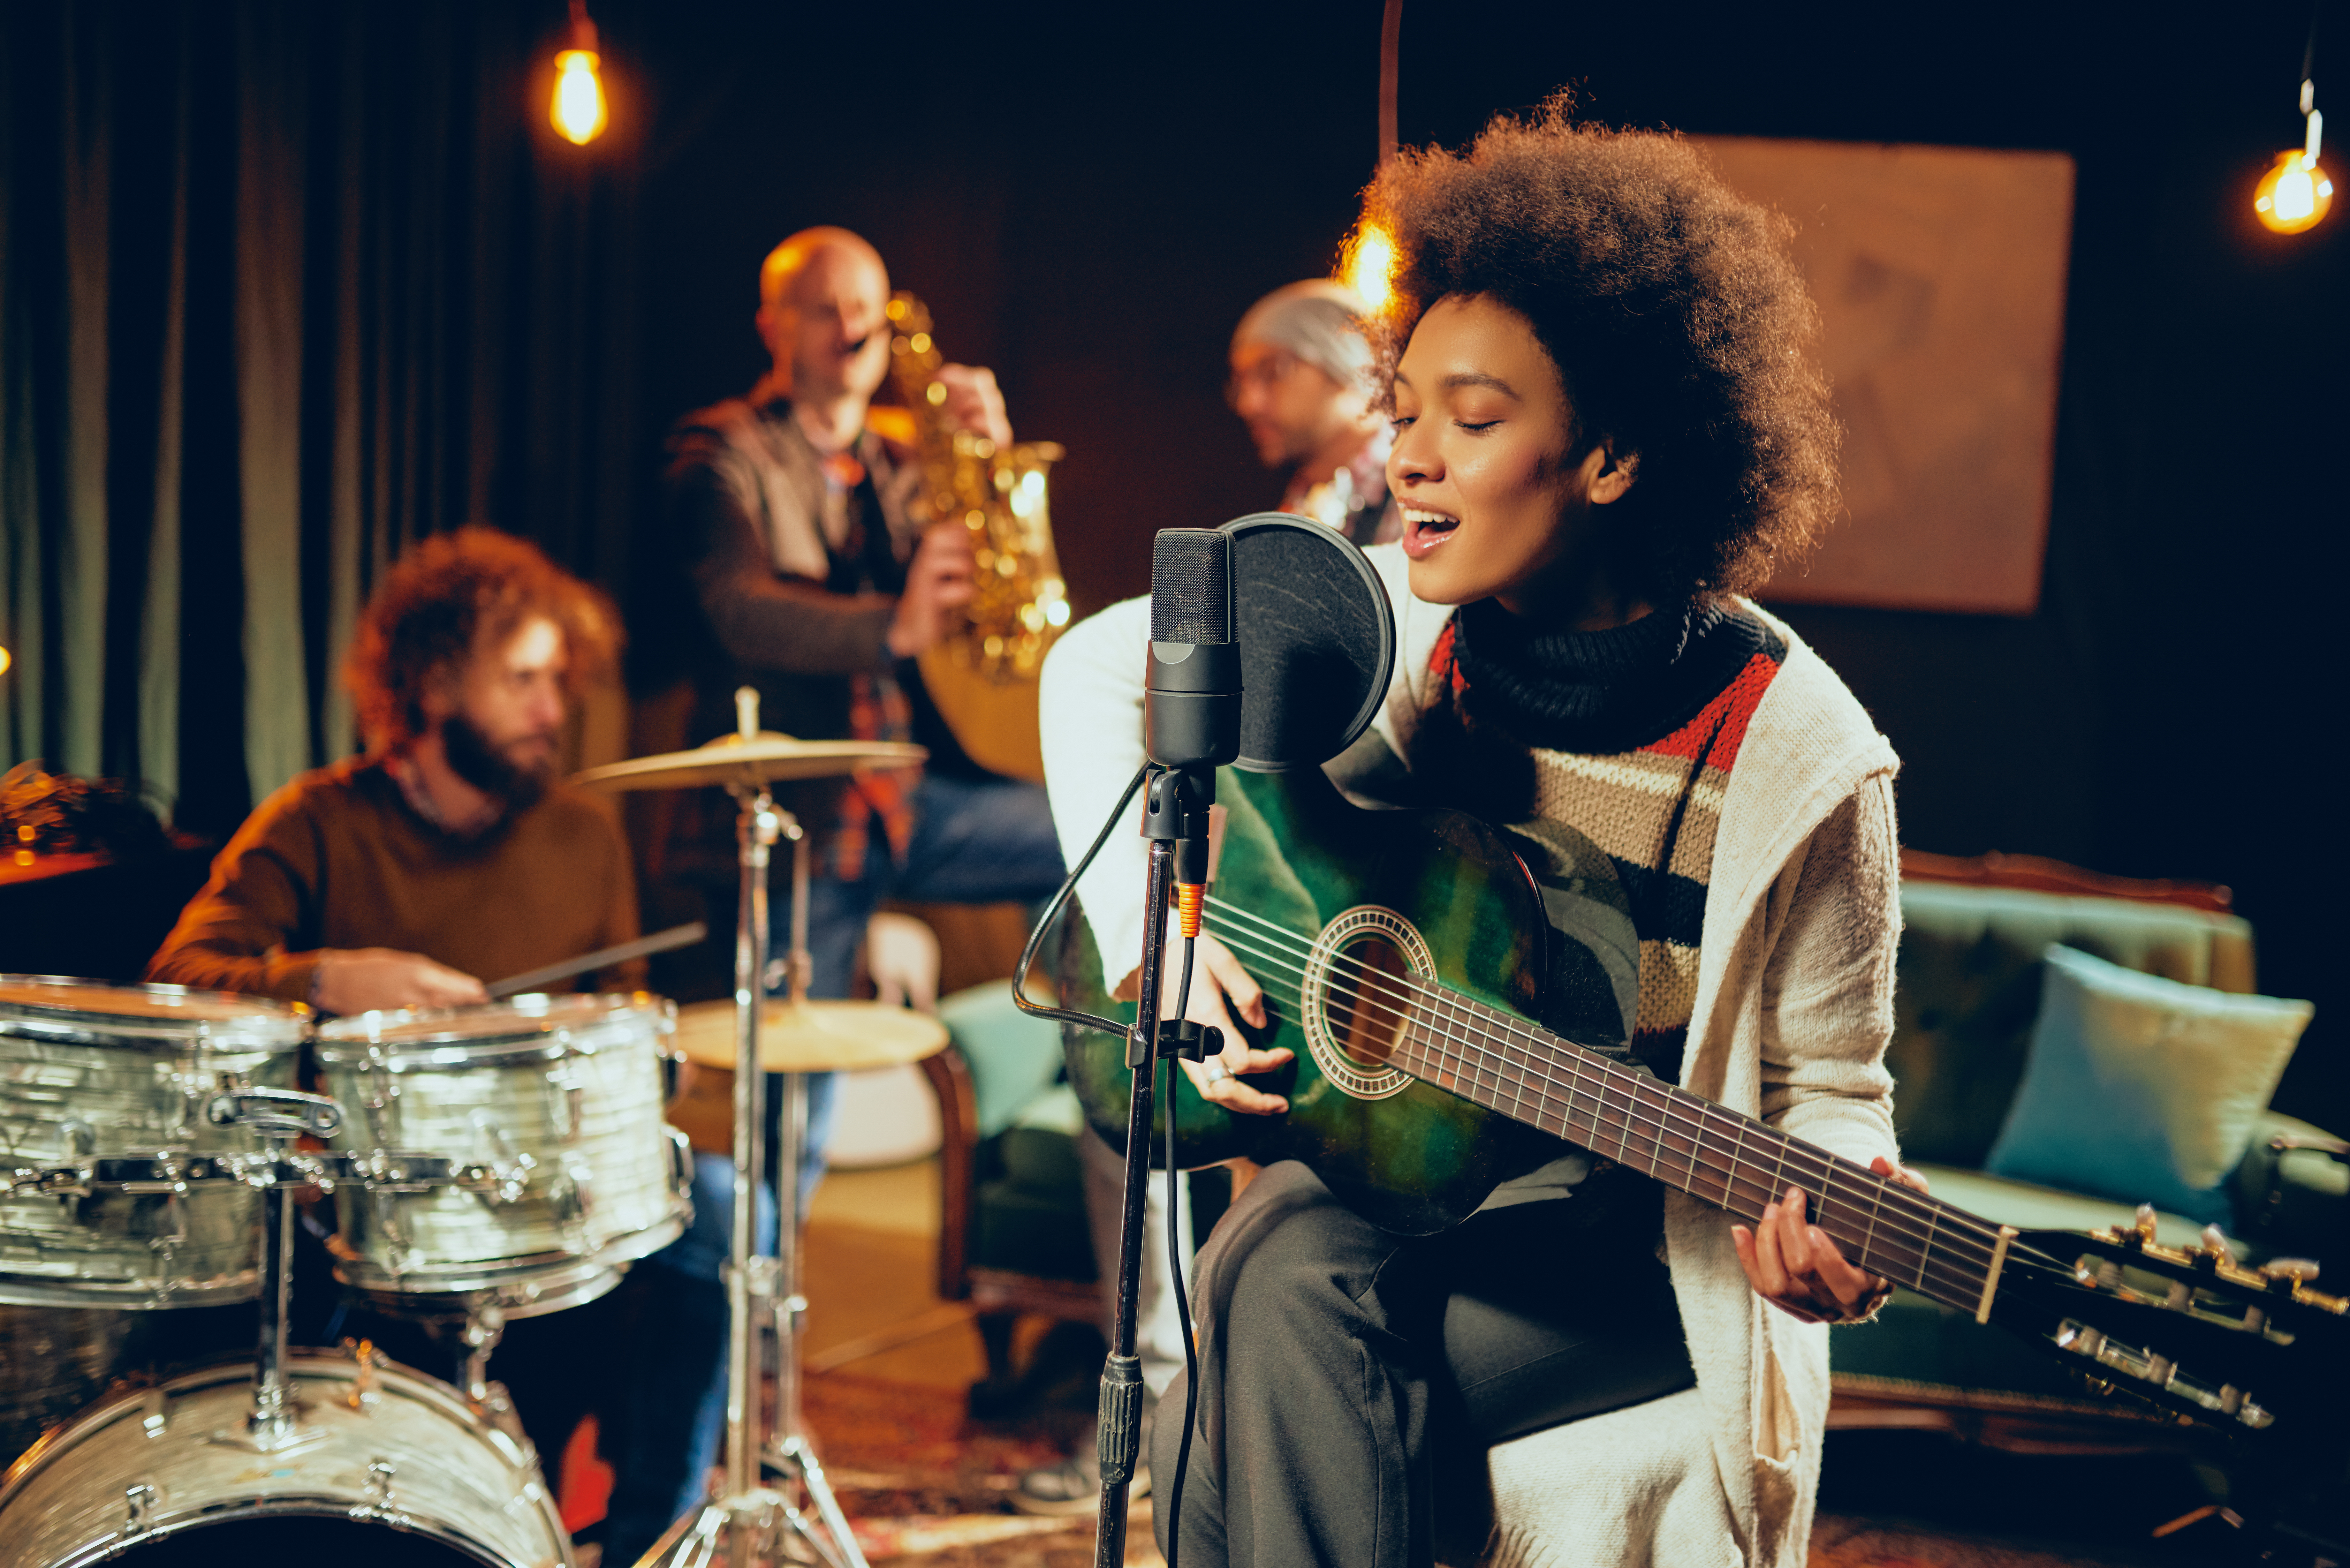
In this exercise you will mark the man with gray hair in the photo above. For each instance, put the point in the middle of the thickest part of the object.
(1302, 381)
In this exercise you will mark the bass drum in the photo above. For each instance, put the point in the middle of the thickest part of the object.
(389, 1470)
(56, 1362)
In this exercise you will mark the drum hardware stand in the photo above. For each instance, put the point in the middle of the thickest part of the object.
(278, 1116)
(750, 1517)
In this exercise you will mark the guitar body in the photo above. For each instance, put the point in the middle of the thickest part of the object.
(1296, 854)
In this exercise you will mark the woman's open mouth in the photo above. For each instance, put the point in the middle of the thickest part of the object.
(1424, 530)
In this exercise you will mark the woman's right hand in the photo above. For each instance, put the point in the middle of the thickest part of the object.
(1219, 988)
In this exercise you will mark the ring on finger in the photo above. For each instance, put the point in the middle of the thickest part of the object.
(1215, 1072)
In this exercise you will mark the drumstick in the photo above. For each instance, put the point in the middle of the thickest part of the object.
(659, 942)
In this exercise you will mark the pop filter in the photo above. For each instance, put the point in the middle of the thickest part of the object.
(1317, 641)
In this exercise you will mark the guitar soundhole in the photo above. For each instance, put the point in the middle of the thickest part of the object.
(1367, 1003)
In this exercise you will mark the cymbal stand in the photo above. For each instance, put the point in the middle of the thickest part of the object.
(750, 1517)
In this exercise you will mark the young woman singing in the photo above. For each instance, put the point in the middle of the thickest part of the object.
(1608, 428)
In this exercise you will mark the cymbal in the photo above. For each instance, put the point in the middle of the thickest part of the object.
(811, 1037)
(732, 760)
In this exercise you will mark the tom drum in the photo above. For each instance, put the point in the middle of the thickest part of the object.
(90, 1073)
(558, 1098)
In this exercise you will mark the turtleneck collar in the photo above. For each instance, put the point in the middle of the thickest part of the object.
(1599, 691)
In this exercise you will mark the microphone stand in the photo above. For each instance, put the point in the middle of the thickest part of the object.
(1175, 815)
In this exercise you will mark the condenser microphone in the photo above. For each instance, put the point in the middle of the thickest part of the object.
(1191, 699)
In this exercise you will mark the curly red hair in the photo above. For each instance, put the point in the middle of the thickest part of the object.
(450, 595)
(1673, 309)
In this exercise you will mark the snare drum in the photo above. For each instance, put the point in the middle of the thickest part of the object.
(386, 1468)
(91, 1072)
(557, 1099)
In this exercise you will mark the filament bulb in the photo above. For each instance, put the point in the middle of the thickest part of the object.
(2294, 194)
(1371, 267)
(579, 114)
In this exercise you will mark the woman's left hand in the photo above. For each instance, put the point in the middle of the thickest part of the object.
(1795, 1267)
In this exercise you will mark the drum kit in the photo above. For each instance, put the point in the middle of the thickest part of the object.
(484, 1164)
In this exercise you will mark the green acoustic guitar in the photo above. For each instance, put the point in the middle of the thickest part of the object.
(1405, 956)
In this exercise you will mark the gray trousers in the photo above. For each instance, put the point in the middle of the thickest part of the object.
(1350, 1379)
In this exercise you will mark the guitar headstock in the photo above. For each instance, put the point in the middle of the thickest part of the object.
(2189, 1329)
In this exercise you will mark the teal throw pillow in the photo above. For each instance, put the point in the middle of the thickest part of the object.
(2143, 1089)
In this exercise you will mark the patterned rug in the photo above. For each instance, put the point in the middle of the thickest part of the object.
(922, 1482)
(927, 1485)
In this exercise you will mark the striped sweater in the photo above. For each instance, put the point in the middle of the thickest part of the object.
(1609, 753)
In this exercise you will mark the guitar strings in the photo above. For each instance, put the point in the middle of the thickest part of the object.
(1713, 1118)
(1906, 1203)
(1922, 1258)
(1362, 1005)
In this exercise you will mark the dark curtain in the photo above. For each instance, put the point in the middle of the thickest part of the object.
(283, 287)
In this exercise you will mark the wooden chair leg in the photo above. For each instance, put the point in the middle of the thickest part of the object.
(1000, 1388)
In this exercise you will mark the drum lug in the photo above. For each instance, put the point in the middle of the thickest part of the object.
(380, 1473)
(377, 1089)
(385, 1202)
(139, 1508)
(578, 1195)
(563, 1105)
(173, 1236)
(366, 1392)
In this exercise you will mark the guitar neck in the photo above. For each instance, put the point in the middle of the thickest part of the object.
(1734, 1162)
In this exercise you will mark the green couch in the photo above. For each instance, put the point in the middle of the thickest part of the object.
(1968, 991)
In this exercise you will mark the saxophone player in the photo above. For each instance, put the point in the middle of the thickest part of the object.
(794, 559)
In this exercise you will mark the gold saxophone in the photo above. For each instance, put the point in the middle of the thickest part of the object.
(983, 679)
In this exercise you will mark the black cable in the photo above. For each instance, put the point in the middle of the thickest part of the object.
(1182, 1299)
(1036, 937)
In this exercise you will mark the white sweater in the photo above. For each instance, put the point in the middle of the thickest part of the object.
(1794, 1005)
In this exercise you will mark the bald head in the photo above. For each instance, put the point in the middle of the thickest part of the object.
(788, 262)
(821, 298)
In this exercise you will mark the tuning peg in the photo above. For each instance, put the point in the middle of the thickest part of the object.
(2216, 1246)
(2145, 1222)
(2287, 1274)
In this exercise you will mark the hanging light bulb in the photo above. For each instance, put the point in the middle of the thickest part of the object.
(2296, 193)
(4, 661)
(1369, 267)
(579, 114)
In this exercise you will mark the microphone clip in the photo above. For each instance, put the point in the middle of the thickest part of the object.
(1176, 804)
(1191, 1041)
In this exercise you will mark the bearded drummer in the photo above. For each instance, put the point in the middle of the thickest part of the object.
(447, 853)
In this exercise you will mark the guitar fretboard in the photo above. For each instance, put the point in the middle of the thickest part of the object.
(1734, 1162)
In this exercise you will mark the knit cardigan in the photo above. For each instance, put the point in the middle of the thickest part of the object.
(1795, 1005)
